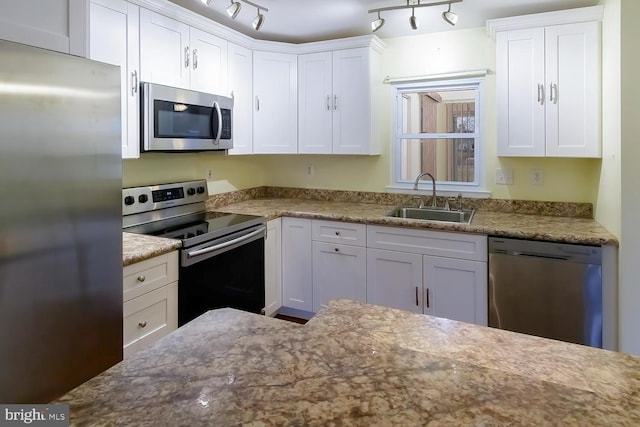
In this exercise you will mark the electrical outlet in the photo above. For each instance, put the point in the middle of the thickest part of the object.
(309, 169)
(504, 176)
(209, 174)
(537, 177)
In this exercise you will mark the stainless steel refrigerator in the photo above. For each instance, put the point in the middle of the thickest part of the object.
(60, 222)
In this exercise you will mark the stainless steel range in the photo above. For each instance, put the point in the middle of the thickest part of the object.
(222, 255)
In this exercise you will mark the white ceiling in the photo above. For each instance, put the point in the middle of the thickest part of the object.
(298, 21)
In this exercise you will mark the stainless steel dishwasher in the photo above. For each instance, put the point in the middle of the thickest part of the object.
(552, 290)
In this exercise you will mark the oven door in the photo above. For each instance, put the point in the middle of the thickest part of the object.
(183, 120)
(222, 274)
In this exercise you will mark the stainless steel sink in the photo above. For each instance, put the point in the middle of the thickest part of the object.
(433, 214)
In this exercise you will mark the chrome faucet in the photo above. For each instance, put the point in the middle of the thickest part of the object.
(433, 185)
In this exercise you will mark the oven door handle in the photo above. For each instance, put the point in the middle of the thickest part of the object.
(226, 244)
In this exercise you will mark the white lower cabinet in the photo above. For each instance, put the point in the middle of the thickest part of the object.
(150, 295)
(339, 261)
(438, 273)
(297, 292)
(273, 268)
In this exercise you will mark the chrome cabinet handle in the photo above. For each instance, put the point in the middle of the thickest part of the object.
(553, 93)
(328, 103)
(335, 102)
(134, 82)
(337, 233)
(257, 103)
(541, 95)
(336, 249)
(195, 58)
(141, 279)
(186, 57)
(142, 324)
(427, 296)
(417, 302)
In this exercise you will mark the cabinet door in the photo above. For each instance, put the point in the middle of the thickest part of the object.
(208, 62)
(240, 73)
(296, 264)
(114, 39)
(352, 101)
(273, 267)
(275, 118)
(339, 271)
(315, 103)
(165, 57)
(520, 92)
(455, 289)
(573, 90)
(394, 279)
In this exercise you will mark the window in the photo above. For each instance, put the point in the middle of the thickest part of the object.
(437, 130)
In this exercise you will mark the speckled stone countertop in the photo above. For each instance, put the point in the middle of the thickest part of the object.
(537, 227)
(358, 364)
(138, 247)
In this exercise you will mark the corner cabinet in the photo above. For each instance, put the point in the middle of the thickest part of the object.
(335, 102)
(275, 114)
(548, 83)
(150, 295)
(114, 39)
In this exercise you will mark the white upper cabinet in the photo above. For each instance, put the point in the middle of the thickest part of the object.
(175, 54)
(548, 84)
(275, 114)
(240, 71)
(335, 101)
(113, 38)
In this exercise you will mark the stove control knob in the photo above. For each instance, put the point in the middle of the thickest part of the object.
(200, 190)
(143, 198)
(129, 200)
(191, 191)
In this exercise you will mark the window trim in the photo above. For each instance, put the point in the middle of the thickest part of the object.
(472, 189)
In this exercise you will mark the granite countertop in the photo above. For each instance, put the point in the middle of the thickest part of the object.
(537, 227)
(358, 364)
(139, 247)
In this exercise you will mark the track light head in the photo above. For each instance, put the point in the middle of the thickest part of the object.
(413, 21)
(377, 24)
(257, 23)
(233, 9)
(449, 16)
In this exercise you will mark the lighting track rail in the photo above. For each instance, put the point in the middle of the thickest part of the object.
(449, 16)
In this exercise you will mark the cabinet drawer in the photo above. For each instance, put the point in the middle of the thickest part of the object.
(150, 317)
(145, 276)
(339, 232)
(438, 243)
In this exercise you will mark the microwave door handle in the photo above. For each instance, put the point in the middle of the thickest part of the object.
(216, 107)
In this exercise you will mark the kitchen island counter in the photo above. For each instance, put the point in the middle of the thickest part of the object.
(359, 364)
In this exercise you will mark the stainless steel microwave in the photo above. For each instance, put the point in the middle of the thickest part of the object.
(175, 119)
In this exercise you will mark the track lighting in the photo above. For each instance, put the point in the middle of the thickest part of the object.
(257, 23)
(413, 21)
(449, 16)
(233, 9)
(377, 24)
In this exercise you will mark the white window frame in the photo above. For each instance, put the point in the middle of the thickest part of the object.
(471, 189)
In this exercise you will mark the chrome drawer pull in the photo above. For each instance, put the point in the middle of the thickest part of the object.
(141, 279)
(142, 324)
